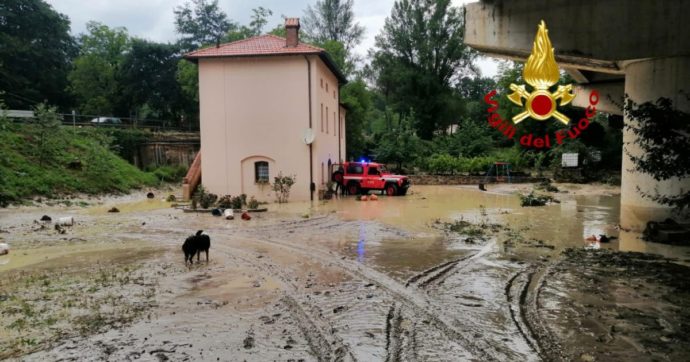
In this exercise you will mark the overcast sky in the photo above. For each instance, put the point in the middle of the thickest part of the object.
(153, 19)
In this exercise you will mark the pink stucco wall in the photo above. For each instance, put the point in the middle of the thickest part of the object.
(256, 109)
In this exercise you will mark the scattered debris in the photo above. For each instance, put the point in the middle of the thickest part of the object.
(373, 198)
(46, 218)
(217, 212)
(229, 214)
(65, 221)
(481, 187)
(4, 248)
(245, 216)
(536, 200)
(114, 209)
(364, 198)
(150, 195)
(667, 231)
(171, 198)
(546, 185)
(249, 340)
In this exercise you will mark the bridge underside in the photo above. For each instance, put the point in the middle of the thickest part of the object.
(639, 48)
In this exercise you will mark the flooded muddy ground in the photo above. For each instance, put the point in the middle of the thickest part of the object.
(443, 274)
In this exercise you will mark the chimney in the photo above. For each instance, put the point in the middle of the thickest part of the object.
(292, 32)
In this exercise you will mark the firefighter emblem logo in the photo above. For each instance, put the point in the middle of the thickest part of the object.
(541, 72)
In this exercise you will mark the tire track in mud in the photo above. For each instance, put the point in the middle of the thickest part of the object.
(401, 336)
(522, 293)
(454, 330)
(324, 345)
(436, 274)
(420, 305)
(323, 349)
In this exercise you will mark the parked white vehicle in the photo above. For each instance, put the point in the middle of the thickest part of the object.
(106, 120)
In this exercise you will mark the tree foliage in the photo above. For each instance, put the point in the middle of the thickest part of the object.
(332, 20)
(148, 77)
(662, 133)
(45, 126)
(93, 79)
(35, 53)
(357, 99)
(418, 53)
(201, 22)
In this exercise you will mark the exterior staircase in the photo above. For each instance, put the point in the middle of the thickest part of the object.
(193, 178)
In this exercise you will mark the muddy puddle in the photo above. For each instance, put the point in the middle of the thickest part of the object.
(443, 274)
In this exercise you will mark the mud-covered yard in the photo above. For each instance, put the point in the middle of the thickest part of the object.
(443, 274)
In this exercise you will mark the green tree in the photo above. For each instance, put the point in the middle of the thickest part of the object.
(188, 80)
(36, 50)
(339, 54)
(357, 99)
(255, 28)
(399, 145)
(259, 19)
(201, 22)
(148, 79)
(46, 126)
(332, 20)
(93, 79)
(418, 53)
(662, 135)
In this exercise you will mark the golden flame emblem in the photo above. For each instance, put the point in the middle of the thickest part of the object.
(541, 72)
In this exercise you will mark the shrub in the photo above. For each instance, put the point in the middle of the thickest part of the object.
(253, 203)
(225, 202)
(205, 199)
(281, 186)
(534, 200)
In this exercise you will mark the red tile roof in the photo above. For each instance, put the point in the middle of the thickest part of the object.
(258, 45)
(264, 45)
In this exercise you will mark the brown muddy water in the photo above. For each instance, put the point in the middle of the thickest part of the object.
(443, 274)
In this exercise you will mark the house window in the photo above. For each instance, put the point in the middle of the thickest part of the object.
(334, 94)
(334, 124)
(326, 86)
(326, 116)
(321, 117)
(321, 83)
(261, 172)
(322, 173)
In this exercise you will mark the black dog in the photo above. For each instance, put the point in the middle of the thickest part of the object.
(195, 244)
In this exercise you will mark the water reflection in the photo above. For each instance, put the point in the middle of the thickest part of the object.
(360, 244)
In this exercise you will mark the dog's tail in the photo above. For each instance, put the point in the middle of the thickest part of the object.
(199, 232)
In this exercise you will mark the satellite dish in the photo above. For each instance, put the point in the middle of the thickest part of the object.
(308, 136)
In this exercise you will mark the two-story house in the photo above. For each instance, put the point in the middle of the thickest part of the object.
(259, 99)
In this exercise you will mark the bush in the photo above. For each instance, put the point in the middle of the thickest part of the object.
(170, 173)
(253, 203)
(225, 202)
(534, 200)
(205, 199)
(281, 186)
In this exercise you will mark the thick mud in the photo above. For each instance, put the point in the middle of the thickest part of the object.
(444, 274)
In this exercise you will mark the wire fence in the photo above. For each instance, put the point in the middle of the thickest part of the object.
(84, 120)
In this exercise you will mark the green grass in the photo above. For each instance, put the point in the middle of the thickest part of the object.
(29, 168)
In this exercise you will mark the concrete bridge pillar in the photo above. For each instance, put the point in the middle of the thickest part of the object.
(647, 80)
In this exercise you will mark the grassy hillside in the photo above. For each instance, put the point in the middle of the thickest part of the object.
(52, 160)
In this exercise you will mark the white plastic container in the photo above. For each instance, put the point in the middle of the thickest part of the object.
(65, 221)
(4, 249)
